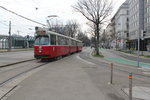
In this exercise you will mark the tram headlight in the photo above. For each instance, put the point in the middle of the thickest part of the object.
(40, 49)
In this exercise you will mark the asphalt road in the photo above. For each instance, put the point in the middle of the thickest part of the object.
(79, 77)
(64, 79)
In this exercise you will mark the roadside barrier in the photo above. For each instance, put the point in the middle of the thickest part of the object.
(129, 77)
(111, 77)
(130, 86)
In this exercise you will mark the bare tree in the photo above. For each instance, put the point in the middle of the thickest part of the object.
(96, 11)
(84, 38)
(91, 30)
(104, 39)
(71, 28)
(56, 26)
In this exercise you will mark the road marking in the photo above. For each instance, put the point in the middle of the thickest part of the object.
(85, 60)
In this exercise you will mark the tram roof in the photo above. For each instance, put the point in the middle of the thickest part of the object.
(51, 32)
(54, 33)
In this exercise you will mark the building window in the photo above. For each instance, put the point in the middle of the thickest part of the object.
(127, 12)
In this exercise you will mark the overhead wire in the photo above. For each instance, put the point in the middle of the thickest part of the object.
(3, 23)
(21, 16)
(15, 23)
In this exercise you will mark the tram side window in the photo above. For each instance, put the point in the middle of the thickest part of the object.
(60, 40)
(53, 40)
(73, 43)
(67, 41)
(77, 43)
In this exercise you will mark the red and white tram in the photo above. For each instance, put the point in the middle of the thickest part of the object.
(50, 44)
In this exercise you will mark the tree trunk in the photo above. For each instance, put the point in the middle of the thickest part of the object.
(97, 39)
(95, 36)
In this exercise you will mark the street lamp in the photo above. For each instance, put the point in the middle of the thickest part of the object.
(28, 41)
(139, 37)
(9, 38)
(52, 16)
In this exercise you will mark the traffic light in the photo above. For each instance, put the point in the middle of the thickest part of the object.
(143, 34)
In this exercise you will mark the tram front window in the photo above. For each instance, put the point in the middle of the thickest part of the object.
(42, 40)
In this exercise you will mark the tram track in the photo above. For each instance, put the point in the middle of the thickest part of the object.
(21, 73)
(6, 65)
(13, 74)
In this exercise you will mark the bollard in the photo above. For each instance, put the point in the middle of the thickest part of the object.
(130, 86)
(111, 77)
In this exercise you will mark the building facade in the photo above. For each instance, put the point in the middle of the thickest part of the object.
(113, 42)
(146, 41)
(132, 21)
(121, 25)
(136, 22)
(109, 34)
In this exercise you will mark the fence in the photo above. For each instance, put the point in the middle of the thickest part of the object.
(16, 42)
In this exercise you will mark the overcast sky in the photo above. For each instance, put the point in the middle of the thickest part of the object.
(27, 8)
